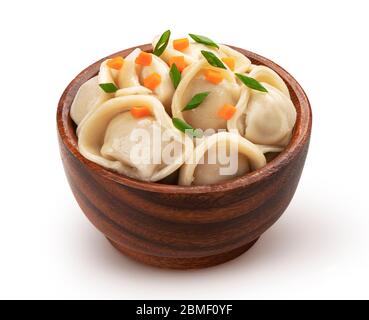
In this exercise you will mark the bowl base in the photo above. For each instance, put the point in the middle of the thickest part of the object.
(184, 263)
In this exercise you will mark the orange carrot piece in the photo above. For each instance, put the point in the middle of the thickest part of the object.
(179, 61)
(226, 112)
(152, 81)
(144, 59)
(213, 76)
(115, 63)
(140, 112)
(181, 44)
(230, 62)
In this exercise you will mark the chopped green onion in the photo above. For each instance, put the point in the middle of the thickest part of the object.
(175, 75)
(186, 128)
(108, 87)
(203, 40)
(251, 82)
(196, 100)
(213, 59)
(162, 43)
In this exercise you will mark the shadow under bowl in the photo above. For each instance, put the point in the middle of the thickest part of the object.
(184, 227)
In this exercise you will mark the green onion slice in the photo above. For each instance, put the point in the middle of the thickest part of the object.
(162, 43)
(175, 75)
(213, 59)
(108, 87)
(186, 128)
(196, 100)
(203, 40)
(251, 83)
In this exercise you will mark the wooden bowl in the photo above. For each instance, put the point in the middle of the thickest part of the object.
(184, 227)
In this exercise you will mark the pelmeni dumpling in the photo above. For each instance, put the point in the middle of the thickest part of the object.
(194, 82)
(192, 54)
(87, 96)
(90, 95)
(136, 147)
(237, 123)
(266, 119)
(119, 93)
(133, 75)
(220, 157)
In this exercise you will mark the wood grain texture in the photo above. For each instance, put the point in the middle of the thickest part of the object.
(184, 227)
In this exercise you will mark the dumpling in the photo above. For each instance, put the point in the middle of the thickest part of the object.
(220, 157)
(134, 75)
(266, 119)
(192, 54)
(87, 96)
(205, 116)
(270, 117)
(237, 123)
(146, 148)
(90, 95)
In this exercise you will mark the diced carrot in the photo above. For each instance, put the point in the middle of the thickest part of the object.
(144, 59)
(140, 112)
(115, 63)
(213, 76)
(179, 61)
(227, 111)
(152, 81)
(230, 62)
(181, 44)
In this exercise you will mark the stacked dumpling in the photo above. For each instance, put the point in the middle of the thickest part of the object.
(192, 109)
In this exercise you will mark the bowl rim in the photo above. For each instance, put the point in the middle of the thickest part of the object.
(299, 139)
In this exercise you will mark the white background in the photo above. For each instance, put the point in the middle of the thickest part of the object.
(320, 246)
